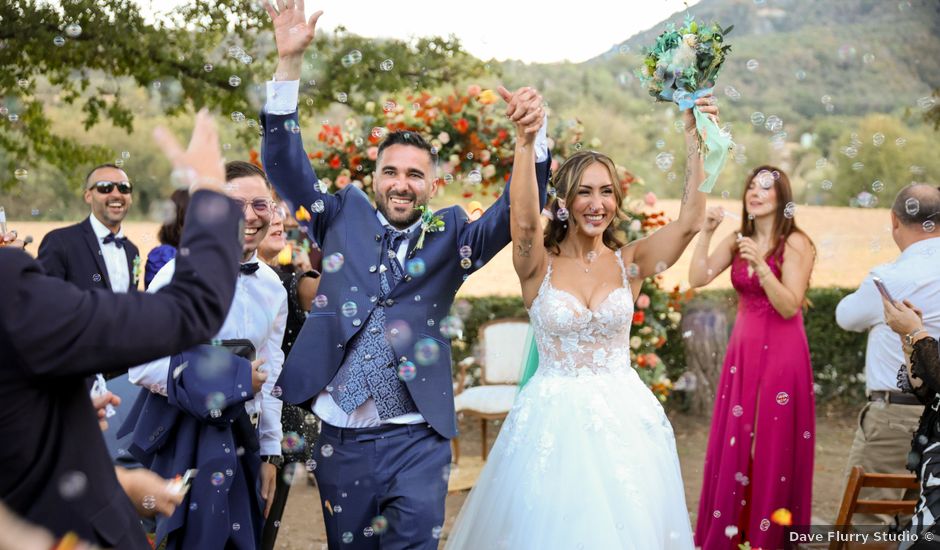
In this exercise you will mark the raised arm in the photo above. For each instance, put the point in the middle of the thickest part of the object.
(282, 150)
(705, 267)
(666, 245)
(528, 253)
(59, 330)
(786, 294)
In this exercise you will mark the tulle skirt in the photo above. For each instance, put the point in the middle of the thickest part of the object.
(585, 461)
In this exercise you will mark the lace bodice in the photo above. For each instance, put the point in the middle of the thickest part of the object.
(573, 339)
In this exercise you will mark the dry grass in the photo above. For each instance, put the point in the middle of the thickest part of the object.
(850, 241)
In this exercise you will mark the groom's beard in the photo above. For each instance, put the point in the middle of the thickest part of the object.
(399, 221)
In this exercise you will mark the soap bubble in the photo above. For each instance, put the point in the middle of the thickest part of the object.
(73, 30)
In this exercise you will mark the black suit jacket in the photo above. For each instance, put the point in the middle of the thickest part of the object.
(54, 467)
(73, 253)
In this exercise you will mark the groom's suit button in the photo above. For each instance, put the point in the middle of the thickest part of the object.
(372, 269)
(356, 322)
(389, 302)
(339, 346)
(407, 278)
(378, 238)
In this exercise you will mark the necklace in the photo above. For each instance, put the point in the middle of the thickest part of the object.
(590, 257)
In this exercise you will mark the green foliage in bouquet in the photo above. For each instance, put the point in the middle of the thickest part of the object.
(686, 59)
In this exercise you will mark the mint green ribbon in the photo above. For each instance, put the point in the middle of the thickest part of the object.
(530, 359)
(715, 146)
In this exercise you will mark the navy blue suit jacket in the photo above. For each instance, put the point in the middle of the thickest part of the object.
(56, 468)
(72, 253)
(348, 226)
(180, 431)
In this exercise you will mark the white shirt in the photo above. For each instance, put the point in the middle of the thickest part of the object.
(282, 100)
(365, 415)
(115, 259)
(258, 314)
(914, 276)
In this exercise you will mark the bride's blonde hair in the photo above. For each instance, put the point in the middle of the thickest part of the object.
(567, 182)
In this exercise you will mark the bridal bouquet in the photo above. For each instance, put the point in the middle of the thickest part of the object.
(681, 67)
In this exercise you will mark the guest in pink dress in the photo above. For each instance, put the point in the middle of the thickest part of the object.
(759, 466)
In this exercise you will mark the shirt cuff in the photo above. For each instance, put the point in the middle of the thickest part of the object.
(282, 97)
(541, 142)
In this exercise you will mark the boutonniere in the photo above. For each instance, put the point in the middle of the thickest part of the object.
(429, 224)
(137, 269)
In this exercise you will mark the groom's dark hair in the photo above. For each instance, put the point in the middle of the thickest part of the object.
(406, 137)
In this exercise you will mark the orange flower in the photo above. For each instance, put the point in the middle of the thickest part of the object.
(488, 97)
(639, 317)
(254, 158)
(782, 516)
(335, 162)
(652, 359)
(462, 125)
(302, 215)
(641, 361)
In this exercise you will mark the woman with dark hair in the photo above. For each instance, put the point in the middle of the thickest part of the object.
(168, 235)
(587, 457)
(760, 451)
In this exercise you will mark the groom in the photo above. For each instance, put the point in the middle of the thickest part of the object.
(371, 358)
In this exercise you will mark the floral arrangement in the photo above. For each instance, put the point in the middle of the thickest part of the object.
(682, 66)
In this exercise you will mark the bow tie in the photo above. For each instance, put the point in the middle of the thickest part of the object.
(118, 241)
(248, 269)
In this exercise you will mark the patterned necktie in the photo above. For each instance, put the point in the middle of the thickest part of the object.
(248, 269)
(118, 241)
(390, 244)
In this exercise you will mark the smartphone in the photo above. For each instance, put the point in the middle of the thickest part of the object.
(883, 289)
(180, 484)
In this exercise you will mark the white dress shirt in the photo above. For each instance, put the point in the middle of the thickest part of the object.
(282, 100)
(914, 276)
(258, 314)
(115, 259)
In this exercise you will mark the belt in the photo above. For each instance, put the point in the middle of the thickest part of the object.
(894, 398)
(370, 434)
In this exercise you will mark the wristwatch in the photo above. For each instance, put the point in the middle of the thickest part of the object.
(278, 461)
(909, 337)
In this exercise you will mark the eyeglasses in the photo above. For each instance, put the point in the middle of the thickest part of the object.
(105, 187)
(262, 207)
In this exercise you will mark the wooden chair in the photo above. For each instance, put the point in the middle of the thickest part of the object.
(851, 504)
(502, 343)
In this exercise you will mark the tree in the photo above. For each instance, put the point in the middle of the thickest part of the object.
(214, 53)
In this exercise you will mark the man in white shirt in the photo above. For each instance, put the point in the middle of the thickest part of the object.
(888, 420)
(258, 314)
(95, 253)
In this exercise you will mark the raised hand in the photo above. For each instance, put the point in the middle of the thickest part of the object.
(708, 104)
(200, 165)
(525, 109)
(293, 33)
(713, 218)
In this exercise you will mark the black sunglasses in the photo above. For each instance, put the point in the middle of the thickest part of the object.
(105, 187)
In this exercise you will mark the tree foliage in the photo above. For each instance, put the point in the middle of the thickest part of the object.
(214, 53)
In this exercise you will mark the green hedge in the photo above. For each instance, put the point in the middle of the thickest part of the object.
(838, 356)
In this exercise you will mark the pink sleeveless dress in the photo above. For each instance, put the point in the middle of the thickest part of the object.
(760, 449)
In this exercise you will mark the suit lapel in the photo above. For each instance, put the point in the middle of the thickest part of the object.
(130, 251)
(92, 241)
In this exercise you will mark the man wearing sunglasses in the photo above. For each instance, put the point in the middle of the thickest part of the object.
(95, 253)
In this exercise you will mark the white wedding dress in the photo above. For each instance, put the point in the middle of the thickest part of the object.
(586, 458)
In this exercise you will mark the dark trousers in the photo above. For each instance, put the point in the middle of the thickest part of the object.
(382, 487)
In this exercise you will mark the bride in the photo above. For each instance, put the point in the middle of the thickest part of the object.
(586, 458)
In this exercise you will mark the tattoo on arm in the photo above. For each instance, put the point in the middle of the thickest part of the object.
(689, 158)
(525, 248)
